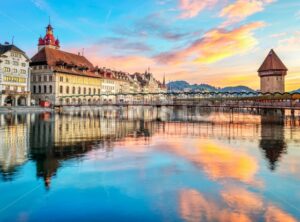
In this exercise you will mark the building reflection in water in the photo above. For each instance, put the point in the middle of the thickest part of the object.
(14, 143)
(50, 139)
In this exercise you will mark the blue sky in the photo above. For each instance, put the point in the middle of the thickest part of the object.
(221, 42)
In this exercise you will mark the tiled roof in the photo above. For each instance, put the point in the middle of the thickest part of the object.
(52, 57)
(6, 48)
(272, 62)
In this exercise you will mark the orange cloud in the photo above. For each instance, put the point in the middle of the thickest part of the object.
(216, 45)
(243, 200)
(220, 162)
(191, 8)
(240, 207)
(241, 9)
(194, 207)
(275, 214)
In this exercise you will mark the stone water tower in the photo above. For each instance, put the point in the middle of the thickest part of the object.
(272, 74)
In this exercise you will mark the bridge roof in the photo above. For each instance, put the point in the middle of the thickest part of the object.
(272, 62)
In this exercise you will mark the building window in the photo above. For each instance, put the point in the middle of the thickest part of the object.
(61, 89)
(99, 91)
(90, 91)
(94, 91)
(7, 62)
(14, 70)
(6, 69)
(68, 90)
(45, 89)
(34, 89)
(15, 63)
(50, 89)
(40, 78)
(50, 78)
(73, 91)
(84, 91)
(79, 90)
(45, 78)
(40, 89)
(61, 78)
(23, 64)
(23, 71)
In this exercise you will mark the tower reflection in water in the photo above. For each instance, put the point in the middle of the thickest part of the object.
(273, 137)
(49, 140)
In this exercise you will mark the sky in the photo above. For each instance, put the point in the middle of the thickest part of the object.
(218, 42)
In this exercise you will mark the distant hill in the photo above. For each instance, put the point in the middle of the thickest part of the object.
(296, 91)
(185, 86)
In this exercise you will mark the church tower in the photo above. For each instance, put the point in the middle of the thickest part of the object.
(272, 74)
(49, 40)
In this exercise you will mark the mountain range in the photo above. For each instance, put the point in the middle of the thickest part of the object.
(185, 86)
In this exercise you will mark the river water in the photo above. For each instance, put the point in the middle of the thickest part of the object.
(149, 164)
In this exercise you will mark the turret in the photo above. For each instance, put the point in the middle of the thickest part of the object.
(49, 39)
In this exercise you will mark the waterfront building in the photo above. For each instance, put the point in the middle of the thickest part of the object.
(108, 85)
(272, 74)
(14, 76)
(150, 86)
(60, 77)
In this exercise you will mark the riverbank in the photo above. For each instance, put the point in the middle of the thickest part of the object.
(25, 109)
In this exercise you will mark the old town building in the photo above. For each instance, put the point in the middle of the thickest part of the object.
(60, 77)
(63, 78)
(272, 74)
(14, 76)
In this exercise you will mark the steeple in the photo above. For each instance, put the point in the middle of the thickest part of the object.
(164, 81)
(49, 39)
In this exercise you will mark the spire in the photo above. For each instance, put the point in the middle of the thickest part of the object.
(164, 80)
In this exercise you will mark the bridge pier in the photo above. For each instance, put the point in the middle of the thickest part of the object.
(273, 116)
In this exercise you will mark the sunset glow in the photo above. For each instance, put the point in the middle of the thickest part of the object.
(219, 42)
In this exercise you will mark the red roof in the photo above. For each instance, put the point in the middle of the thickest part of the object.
(64, 62)
(53, 56)
(272, 63)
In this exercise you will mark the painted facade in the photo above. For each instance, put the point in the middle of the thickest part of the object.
(14, 76)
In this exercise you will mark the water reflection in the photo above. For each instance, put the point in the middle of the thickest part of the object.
(54, 138)
(215, 161)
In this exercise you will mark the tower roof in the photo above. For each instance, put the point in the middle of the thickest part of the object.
(272, 62)
(49, 38)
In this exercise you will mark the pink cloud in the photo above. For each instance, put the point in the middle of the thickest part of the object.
(191, 8)
(241, 9)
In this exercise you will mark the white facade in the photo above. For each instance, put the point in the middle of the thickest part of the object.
(14, 77)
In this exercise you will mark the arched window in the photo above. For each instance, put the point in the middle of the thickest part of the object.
(61, 89)
(79, 90)
(73, 90)
(94, 91)
(68, 90)
(90, 91)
